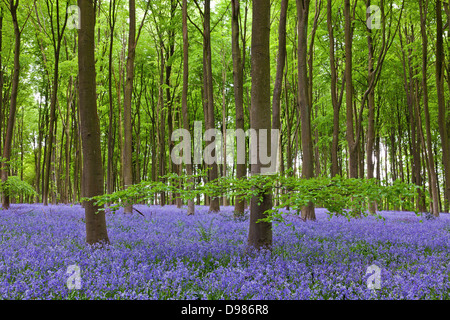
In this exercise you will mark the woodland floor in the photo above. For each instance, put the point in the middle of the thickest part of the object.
(168, 255)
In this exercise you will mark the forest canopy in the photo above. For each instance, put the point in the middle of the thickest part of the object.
(93, 91)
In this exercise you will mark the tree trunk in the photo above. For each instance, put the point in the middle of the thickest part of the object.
(352, 150)
(127, 127)
(304, 103)
(57, 48)
(411, 101)
(278, 86)
(443, 129)
(208, 87)
(13, 102)
(38, 153)
(316, 157)
(162, 127)
(224, 121)
(260, 233)
(110, 163)
(371, 107)
(447, 121)
(90, 128)
(334, 95)
(423, 5)
(68, 143)
(238, 80)
(184, 106)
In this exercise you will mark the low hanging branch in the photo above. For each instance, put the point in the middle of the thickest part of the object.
(340, 196)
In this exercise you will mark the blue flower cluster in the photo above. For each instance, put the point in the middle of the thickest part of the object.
(166, 254)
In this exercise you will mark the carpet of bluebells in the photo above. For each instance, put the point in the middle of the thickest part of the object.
(166, 254)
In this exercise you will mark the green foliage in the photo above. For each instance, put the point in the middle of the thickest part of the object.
(340, 196)
(205, 233)
(13, 186)
(393, 119)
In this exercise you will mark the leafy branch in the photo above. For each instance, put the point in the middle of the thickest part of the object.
(340, 196)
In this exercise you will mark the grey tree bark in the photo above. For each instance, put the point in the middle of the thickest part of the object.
(90, 128)
(303, 101)
(260, 233)
(238, 80)
(184, 106)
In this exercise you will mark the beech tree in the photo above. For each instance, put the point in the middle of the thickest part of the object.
(260, 233)
(304, 101)
(423, 6)
(238, 86)
(13, 5)
(90, 128)
(127, 132)
(56, 39)
(112, 23)
(281, 59)
(208, 96)
(350, 134)
(336, 97)
(184, 96)
(443, 128)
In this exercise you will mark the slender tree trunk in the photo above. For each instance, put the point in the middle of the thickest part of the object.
(278, 86)
(77, 135)
(127, 127)
(53, 168)
(418, 135)
(443, 129)
(289, 120)
(281, 59)
(371, 107)
(316, 157)
(109, 173)
(139, 146)
(162, 127)
(423, 5)
(184, 106)
(90, 131)
(238, 79)
(38, 153)
(352, 151)
(334, 94)
(317, 168)
(411, 101)
(400, 144)
(208, 85)
(224, 121)
(119, 90)
(155, 133)
(304, 103)
(57, 39)
(68, 143)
